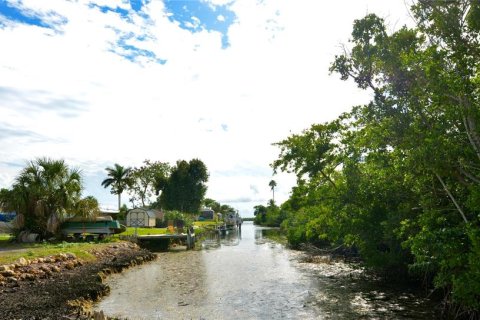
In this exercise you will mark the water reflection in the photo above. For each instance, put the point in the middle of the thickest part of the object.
(247, 276)
(215, 240)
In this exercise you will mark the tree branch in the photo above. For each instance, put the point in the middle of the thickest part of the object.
(452, 197)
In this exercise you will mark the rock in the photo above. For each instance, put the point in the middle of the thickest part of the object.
(71, 256)
(4, 268)
(69, 265)
(29, 277)
(40, 260)
(61, 257)
(55, 269)
(22, 262)
(45, 268)
(8, 273)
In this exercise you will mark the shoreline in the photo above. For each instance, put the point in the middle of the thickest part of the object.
(62, 286)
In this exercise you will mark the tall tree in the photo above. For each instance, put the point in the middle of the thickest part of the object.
(44, 193)
(272, 185)
(185, 188)
(118, 179)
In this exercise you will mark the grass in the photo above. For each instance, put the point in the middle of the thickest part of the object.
(205, 223)
(5, 236)
(80, 249)
(144, 231)
(5, 240)
(38, 250)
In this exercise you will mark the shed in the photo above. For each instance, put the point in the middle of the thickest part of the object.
(142, 217)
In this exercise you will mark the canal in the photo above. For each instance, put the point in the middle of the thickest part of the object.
(247, 276)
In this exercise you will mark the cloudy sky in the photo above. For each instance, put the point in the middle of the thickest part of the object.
(98, 82)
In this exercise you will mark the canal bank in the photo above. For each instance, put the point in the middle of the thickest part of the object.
(247, 276)
(63, 287)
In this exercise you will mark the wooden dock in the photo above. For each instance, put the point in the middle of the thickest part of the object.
(158, 238)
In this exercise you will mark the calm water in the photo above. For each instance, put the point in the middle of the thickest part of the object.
(247, 276)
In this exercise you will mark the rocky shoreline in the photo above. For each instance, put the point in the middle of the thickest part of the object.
(63, 286)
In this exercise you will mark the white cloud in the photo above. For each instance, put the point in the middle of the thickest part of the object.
(273, 80)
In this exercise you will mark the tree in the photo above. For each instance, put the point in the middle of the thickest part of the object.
(212, 204)
(147, 180)
(272, 185)
(260, 212)
(399, 178)
(45, 193)
(118, 179)
(185, 188)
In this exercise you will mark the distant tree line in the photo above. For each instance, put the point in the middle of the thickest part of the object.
(47, 192)
(181, 187)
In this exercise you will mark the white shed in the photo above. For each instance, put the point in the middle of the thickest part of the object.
(141, 217)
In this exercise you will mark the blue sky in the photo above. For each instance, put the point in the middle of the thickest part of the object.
(98, 82)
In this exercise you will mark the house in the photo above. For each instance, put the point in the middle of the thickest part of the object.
(143, 217)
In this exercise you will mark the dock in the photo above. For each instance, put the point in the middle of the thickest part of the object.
(165, 239)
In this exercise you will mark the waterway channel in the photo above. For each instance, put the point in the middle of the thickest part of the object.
(247, 276)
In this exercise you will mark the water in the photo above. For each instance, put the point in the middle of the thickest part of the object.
(247, 276)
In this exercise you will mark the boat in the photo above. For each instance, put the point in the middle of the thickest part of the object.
(233, 220)
(103, 225)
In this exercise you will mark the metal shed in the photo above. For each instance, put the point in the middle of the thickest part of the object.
(141, 217)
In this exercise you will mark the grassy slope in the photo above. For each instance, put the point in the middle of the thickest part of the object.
(37, 250)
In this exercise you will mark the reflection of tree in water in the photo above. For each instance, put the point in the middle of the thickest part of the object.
(262, 234)
(214, 240)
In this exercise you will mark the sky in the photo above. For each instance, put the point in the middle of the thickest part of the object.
(98, 82)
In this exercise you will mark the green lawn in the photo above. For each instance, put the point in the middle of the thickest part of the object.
(205, 223)
(5, 239)
(144, 231)
(5, 236)
(37, 250)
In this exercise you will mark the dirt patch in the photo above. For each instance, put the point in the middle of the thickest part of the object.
(62, 287)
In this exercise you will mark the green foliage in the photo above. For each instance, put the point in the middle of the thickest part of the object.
(45, 193)
(174, 215)
(399, 178)
(146, 181)
(122, 214)
(185, 188)
(218, 207)
(118, 180)
(260, 213)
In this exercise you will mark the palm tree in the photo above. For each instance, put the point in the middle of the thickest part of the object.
(118, 179)
(272, 185)
(43, 194)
